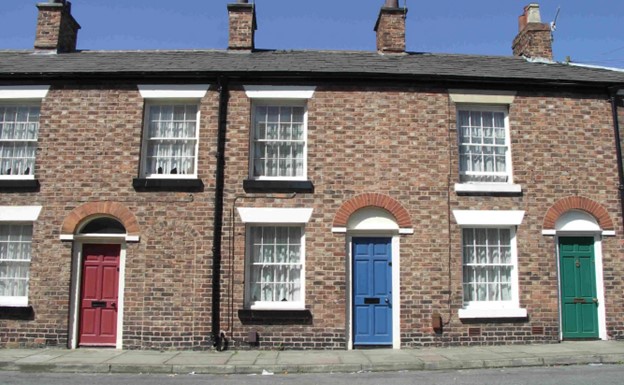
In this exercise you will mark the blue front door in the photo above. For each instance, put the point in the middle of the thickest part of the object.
(372, 291)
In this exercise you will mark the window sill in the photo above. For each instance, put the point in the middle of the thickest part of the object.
(19, 185)
(278, 186)
(492, 313)
(17, 313)
(176, 185)
(487, 189)
(275, 317)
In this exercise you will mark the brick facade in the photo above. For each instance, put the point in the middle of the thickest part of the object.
(389, 144)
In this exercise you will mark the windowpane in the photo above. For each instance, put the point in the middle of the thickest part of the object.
(15, 255)
(488, 266)
(276, 264)
(278, 141)
(19, 126)
(171, 140)
(482, 146)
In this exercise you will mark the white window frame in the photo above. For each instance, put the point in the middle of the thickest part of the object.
(270, 95)
(252, 154)
(274, 217)
(144, 147)
(489, 219)
(170, 94)
(28, 96)
(21, 216)
(486, 100)
(273, 305)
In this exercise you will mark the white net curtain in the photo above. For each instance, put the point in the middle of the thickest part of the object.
(482, 148)
(488, 265)
(172, 139)
(15, 253)
(19, 126)
(279, 141)
(276, 264)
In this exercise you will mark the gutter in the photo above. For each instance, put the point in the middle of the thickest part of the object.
(218, 338)
(613, 95)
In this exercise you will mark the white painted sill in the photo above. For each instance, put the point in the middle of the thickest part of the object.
(488, 188)
(6, 301)
(492, 313)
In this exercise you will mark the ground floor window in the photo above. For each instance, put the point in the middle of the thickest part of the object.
(488, 265)
(15, 255)
(275, 277)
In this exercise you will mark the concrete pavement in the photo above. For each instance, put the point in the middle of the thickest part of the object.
(278, 362)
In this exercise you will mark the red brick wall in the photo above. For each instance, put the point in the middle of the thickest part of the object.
(396, 141)
(89, 148)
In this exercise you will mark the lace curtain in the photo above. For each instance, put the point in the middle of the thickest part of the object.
(487, 264)
(482, 148)
(279, 141)
(15, 252)
(276, 264)
(19, 126)
(172, 139)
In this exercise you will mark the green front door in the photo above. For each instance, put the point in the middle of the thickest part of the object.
(579, 305)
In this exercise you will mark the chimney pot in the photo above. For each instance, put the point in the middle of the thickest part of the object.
(390, 28)
(243, 1)
(534, 39)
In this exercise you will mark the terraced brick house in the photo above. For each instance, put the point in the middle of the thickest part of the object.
(306, 199)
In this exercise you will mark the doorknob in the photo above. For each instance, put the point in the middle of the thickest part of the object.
(387, 300)
(595, 300)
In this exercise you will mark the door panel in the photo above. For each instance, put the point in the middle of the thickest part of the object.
(578, 288)
(372, 291)
(99, 292)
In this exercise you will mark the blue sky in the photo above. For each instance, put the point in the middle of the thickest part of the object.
(589, 31)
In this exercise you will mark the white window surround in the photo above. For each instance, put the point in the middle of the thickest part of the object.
(271, 215)
(21, 215)
(482, 96)
(173, 91)
(279, 92)
(33, 92)
(481, 99)
(488, 218)
(494, 219)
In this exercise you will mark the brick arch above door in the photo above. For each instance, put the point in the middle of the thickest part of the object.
(578, 203)
(92, 209)
(372, 200)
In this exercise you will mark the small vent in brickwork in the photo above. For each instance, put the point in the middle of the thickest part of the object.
(474, 332)
(537, 330)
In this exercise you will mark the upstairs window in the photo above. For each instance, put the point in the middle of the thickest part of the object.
(279, 141)
(170, 140)
(484, 152)
(19, 127)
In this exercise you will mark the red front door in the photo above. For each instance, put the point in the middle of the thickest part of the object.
(98, 301)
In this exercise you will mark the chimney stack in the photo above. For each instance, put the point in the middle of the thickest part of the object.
(57, 30)
(390, 28)
(534, 39)
(243, 26)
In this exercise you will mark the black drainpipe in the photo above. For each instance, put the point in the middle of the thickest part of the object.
(218, 340)
(613, 93)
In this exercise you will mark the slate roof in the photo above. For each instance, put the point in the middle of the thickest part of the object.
(329, 64)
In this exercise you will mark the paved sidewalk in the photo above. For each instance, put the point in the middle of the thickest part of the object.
(277, 362)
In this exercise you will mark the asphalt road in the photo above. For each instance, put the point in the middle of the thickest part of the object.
(569, 375)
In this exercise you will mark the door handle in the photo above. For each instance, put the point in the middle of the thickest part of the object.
(387, 300)
(595, 300)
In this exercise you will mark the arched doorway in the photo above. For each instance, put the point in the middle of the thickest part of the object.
(99, 232)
